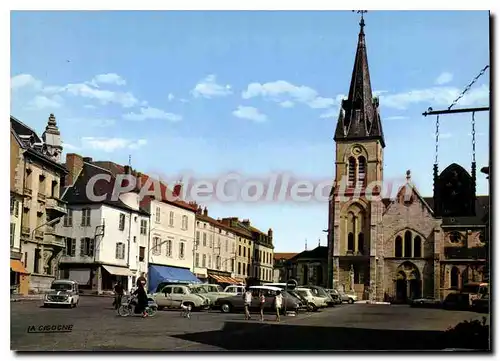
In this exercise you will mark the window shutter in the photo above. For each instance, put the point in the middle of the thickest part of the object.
(82, 247)
(73, 247)
(16, 209)
(12, 233)
(117, 251)
(91, 246)
(123, 251)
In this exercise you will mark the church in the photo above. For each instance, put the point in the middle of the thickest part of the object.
(403, 248)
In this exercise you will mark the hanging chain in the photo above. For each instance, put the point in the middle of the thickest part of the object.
(437, 140)
(467, 88)
(473, 137)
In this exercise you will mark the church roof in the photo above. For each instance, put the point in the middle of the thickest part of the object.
(359, 117)
(320, 252)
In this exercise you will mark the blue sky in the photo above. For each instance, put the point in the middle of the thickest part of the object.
(253, 92)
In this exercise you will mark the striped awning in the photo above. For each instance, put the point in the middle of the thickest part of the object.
(223, 279)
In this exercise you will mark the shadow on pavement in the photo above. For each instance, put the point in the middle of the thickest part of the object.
(239, 336)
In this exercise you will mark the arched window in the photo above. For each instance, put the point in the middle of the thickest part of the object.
(407, 247)
(417, 247)
(465, 277)
(352, 172)
(398, 247)
(454, 277)
(350, 242)
(361, 170)
(361, 242)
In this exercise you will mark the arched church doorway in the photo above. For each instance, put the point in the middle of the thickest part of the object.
(401, 287)
(408, 282)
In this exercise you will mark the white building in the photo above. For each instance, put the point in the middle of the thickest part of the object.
(106, 241)
(215, 250)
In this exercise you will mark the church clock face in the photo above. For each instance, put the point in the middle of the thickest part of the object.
(356, 150)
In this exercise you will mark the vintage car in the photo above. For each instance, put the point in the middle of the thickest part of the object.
(322, 293)
(313, 301)
(348, 297)
(236, 303)
(430, 302)
(235, 289)
(173, 296)
(212, 292)
(62, 293)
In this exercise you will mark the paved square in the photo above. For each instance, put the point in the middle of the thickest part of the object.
(347, 327)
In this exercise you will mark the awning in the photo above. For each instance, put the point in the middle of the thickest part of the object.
(223, 279)
(158, 274)
(239, 281)
(17, 266)
(118, 271)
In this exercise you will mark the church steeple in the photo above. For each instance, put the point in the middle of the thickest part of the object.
(359, 117)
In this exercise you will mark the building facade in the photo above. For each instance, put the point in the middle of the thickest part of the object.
(107, 240)
(283, 267)
(36, 173)
(215, 250)
(405, 247)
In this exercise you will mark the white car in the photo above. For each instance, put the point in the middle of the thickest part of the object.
(173, 296)
(314, 301)
(235, 289)
(62, 293)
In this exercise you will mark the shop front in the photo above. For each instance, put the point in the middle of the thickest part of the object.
(19, 278)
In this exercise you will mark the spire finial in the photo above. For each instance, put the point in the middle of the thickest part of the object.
(306, 244)
(362, 22)
(408, 175)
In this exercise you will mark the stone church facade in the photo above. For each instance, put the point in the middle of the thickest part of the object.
(402, 248)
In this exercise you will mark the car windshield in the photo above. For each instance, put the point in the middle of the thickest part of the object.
(197, 290)
(214, 288)
(302, 293)
(62, 286)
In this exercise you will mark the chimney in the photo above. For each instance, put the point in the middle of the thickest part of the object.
(87, 159)
(246, 222)
(177, 190)
(74, 164)
(127, 169)
(270, 233)
(205, 212)
(199, 210)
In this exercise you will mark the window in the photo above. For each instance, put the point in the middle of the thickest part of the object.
(417, 247)
(398, 247)
(244, 251)
(70, 247)
(168, 245)
(407, 245)
(185, 223)
(454, 277)
(142, 254)
(361, 170)
(350, 242)
(178, 290)
(87, 247)
(209, 261)
(204, 239)
(351, 172)
(68, 218)
(239, 268)
(361, 243)
(232, 265)
(204, 261)
(182, 246)
(171, 219)
(12, 233)
(239, 250)
(121, 225)
(217, 262)
(233, 247)
(156, 246)
(12, 204)
(197, 260)
(167, 290)
(211, 241)
(227, 245)
(144, 226)
(197, 238)
(158, 214)
(86, 217)
(36, 261)
(120, 250)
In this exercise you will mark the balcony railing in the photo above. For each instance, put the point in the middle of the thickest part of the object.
(56, 205)
(25, 230)
(41, 196)
(27, 192)
(38, 234)
(465, 253)
(54, 241)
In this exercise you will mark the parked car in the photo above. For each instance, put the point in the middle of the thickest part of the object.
(212, 292)
(348, 297)
(62, 293)
(235, 289)
(457, 301)
(425, 302)
(335, 295)
(236, 303)
(313, 301)
(481, 304)
(321, 292)
(172, 296)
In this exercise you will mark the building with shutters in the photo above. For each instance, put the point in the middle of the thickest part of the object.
(105, 241)
(35, 185)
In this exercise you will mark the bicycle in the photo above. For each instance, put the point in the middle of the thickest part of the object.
(127, 308)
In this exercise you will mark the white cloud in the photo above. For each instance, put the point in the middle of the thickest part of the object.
(152, 113)
(112, 144)
(396, 117)
(183, 100)
(437, 96)
(330, 113)
(109, 78)
(250, 113)
(25, 80)
(170, 97)
(92, 122)
(43, 102)
(208, 88)
(287, 104)
(68, 146)
(126, 100)
(280, 89)
(444, 78)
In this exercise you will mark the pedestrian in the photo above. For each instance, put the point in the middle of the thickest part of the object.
(142, 300)
(118, 294)
(142, 280)
(262, 301)
(278, 303)
(247, 297)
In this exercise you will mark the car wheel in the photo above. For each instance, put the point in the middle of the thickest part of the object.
(226, 307)
(350, 301)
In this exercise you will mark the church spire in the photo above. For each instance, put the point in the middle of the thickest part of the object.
(359, 117)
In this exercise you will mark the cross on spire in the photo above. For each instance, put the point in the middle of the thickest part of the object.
(362, 22)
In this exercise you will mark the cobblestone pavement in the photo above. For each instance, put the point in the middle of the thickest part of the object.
(96, 327)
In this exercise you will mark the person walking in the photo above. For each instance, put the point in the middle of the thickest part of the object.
(118, 295)
(141, 280)
(262, 301)
(247, 297)
(278, 303)
(142, 300)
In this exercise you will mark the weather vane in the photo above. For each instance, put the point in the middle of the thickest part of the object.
(362, 22)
